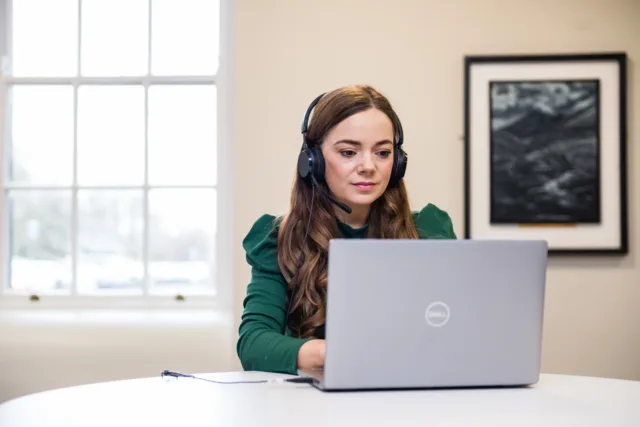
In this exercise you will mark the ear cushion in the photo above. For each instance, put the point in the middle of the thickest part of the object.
(311, 162)
(399, 166)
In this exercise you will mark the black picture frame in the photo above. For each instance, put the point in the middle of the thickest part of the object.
(545, 150)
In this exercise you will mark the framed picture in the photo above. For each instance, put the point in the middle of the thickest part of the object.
(545, 150)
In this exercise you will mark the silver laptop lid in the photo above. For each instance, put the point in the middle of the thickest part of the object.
(434, 313)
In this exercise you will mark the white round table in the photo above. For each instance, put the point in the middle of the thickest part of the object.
(556, 400)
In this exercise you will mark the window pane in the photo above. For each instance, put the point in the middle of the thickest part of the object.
(111, 135)
(182, 233)
(115, 36)
(110, 233)
(41, 146)
(182, 135)
(185, 37)
(39, 241)
(45, 38)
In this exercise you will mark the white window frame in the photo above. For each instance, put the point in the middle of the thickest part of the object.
(223, 244)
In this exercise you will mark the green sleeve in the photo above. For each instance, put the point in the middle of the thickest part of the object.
(262, 343)
(433, 223)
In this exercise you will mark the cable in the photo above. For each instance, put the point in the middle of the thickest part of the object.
(298, 380)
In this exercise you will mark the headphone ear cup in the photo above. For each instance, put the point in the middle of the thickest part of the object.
(318, 163)
(311, 162)
(399, 166)
(305, 165)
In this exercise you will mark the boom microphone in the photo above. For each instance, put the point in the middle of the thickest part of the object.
(341, 205)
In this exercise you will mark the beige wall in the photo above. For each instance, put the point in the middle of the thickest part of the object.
(59, 348)
(288, 51)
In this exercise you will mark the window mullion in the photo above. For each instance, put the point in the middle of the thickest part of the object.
(7, 37)
(114, 80)
(149, 44)
(74, 184)
(79, 46)
(74, 198)
(5, 13)
(145, 208)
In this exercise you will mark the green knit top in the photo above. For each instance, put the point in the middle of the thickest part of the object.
(264, 342)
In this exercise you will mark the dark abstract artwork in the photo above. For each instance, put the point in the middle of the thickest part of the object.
(544, 151)
(545, 155)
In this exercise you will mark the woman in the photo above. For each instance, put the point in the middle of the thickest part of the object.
(348, 185)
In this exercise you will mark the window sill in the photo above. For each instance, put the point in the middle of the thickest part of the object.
(110, 302)
(112, 317)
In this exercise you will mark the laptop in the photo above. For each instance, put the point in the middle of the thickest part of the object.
(407, 314)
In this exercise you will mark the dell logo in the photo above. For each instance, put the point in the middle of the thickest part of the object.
(437, 314)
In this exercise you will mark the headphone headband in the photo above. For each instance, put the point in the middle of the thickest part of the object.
(305, 121)
(399, 136)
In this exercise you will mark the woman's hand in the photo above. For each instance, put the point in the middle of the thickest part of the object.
(311, 355)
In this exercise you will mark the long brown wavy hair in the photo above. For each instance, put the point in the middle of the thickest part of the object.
(389, 218)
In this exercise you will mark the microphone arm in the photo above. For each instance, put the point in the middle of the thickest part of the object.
(341, 205)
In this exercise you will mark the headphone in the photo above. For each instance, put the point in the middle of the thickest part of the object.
(311, 164)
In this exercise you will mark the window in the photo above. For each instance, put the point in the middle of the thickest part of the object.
(108, 148)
